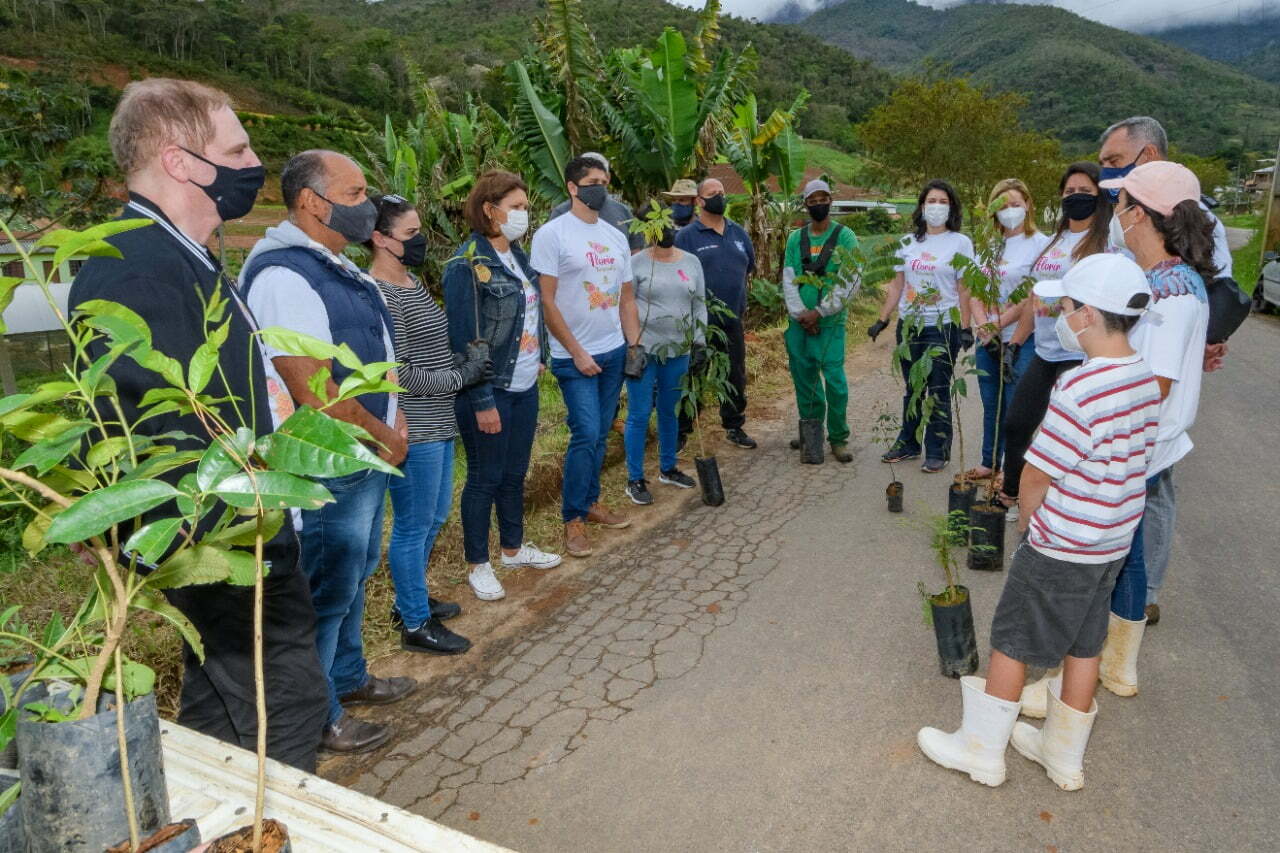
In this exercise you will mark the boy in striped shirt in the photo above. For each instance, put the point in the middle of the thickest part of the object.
(1082, 494)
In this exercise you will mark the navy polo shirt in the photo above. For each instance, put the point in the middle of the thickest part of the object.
(727, 259)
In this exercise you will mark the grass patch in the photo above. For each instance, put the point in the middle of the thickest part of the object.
(1246, 262)
(840, 165)
(1243, 220)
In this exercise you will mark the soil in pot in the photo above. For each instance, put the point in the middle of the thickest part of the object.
(180, 837)
(811, 449)
(986, 532)
(960, 497)
(953, 630)
(893, 494)
(72, 794)
(275, 839)
(709, 479)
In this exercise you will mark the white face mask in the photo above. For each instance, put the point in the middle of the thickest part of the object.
(1067, 336)
(1011, 217)
(936, 214)
(517, 223)
(1117, 232)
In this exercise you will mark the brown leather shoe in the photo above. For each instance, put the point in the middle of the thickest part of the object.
(1153, 614)
(350, 735)
(576, 543)
(605, 517)
(380, 691)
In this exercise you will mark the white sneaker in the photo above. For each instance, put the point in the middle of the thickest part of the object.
(529, 555)
(485, 584)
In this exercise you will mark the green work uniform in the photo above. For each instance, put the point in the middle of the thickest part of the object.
(818, 360)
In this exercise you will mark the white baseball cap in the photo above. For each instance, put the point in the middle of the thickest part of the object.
(817, 185)
(1106, 281)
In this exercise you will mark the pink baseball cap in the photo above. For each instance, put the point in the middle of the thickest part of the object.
(1161, 185)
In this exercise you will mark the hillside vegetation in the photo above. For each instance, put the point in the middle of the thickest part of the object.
(1078, 74)
(1251, 46)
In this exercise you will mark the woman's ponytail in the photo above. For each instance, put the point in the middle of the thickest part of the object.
(1188, 233)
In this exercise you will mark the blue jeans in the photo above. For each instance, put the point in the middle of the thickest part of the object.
(591, 403)
(496, 467)
(666, 377)
(420, 500)
(989, 389)
(341, 545)
(937, 433)
(1143, 572)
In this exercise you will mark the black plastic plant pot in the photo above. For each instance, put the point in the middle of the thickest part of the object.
(12, 839)
(72, 791)
(811, 450)
(709, 479)
(960, 498)
(986, 542)
(953, 630)
(275, 839)
(893, 494)
(180, 837)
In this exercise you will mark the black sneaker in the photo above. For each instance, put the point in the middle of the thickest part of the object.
(441, 610)
(738, 438)
(676, 477)
(900, 455)
(638, 491)
(933, 466)
(434, 638)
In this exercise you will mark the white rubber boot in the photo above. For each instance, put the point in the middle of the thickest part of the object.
(1035, 696)
(1059, 746)
(1118, 671)
(978, 746)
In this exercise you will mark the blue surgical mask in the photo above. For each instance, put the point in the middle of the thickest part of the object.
(1111, 173)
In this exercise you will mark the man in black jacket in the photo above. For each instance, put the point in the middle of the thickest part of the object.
(189, 167)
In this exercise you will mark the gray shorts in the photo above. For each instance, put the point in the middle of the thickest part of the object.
(1053, 608)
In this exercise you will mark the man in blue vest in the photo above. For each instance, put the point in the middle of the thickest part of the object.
(296, 277)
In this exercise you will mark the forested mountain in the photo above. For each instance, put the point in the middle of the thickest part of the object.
(1252, 46)
(1078, 74)
(365, 53)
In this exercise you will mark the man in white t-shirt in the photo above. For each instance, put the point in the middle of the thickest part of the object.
(1128, 144)
(584, 266)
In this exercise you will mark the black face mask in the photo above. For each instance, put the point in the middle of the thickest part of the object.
(233, 191)
(1078, 206)
(819, 212)
(714, 205)
(593, 196)
(682, 214)
(353, 221)
(668, 238)
(415, 250)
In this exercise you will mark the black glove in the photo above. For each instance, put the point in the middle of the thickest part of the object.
(966, 339)
(697, 359)
(1010, 360)
(474, 371)
(477, 350)
(876, 328)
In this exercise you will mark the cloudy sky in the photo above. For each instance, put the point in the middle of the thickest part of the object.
(1141, 15)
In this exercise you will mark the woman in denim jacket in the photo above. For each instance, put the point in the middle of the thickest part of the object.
(492, 299)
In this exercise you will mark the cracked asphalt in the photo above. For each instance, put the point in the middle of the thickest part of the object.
(751, 677)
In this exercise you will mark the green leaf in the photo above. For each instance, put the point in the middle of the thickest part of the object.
(34, 426)
(155, 603)
(158, 362)
(47, 392)
(205, 359)
(139, 679)
(8, 287)
(312, 444)
(158, 465)
(277, 489)
(244, 533)
(215, 466)
(45, 454)
(90, 241)
(243, 568)
(97, 511)
(151, 540)
(106, 450)
(296, 343)
(541, 135)
(318, 384)
(200, 564)
(122, 324)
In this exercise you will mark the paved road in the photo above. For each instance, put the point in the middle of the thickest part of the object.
(751, 678)
(1237, 237)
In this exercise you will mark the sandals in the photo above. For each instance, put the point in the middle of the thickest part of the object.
(975, 473)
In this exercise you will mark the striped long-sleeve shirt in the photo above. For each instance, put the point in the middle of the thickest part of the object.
(1096, 442)
(426, 370)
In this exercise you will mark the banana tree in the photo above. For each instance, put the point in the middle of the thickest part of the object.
(759, 151)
